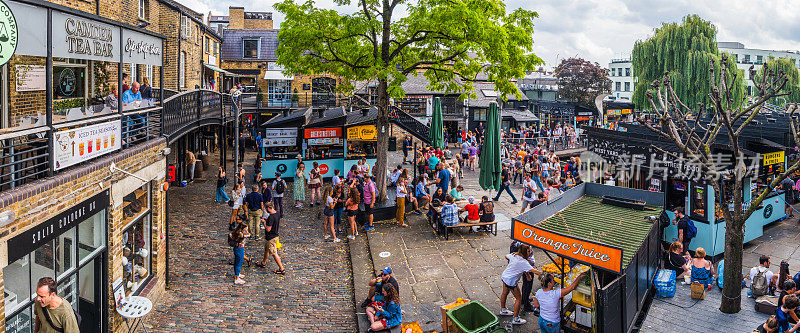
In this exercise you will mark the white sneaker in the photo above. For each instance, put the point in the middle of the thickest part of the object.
(327, 237)
(518, 321)
(356, 233)
(351, 237)
(239, 281)
(506, 312)
(336, 240)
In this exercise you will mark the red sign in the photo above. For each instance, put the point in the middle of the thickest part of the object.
(171, 173)
(315, 133)
(323, 169)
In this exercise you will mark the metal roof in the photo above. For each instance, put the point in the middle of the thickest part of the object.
(589, 219)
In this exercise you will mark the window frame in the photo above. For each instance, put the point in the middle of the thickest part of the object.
(258, 47)
(182, 69)
(143, 10)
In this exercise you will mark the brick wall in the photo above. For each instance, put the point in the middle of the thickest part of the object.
(236, 18)
(37, 202)
(257, 24)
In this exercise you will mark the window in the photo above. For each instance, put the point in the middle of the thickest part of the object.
(628, 71)
(182, 70)
(613, 72)
(480, 115)
(627, 86)
(250, 47)
(735, 58)
(136, 239)
(618, 86)
(216, 48)
(619, 71)
(759, 60)
(186, 27)
(206, 47)
(746, 59)
(143, 9)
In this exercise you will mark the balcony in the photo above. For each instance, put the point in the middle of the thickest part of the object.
(38, 148)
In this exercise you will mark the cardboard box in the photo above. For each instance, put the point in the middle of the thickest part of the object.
(447, 307)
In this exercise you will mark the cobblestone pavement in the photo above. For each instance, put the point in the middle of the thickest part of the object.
(433, 272)
(315, 295)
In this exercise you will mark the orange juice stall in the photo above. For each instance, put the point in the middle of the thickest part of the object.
(610, 232)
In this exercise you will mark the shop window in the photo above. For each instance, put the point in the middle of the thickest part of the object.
(279, 93)
(17, 280)
(90, 236)
(480, 115)
(618, 86)
(358, 149)
(250, 47)
(136, 239)
(65, 253)
(698, 201)
(677, 191)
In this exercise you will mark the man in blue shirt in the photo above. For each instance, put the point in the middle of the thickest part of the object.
(255, 206)
(135, 121)
(421, 191)
(443, 178)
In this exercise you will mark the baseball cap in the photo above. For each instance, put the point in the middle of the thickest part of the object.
(387, 270)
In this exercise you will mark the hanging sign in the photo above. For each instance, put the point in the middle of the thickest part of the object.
(141, 48)
(8, 33)
(362, 133)
(314, 133)
(85, 143)
(285, 132)
(81, 38)
(773, 158)
(588, 252)
(324, 141)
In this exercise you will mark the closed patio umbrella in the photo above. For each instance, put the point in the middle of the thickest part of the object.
(490, 152)
(436, 133)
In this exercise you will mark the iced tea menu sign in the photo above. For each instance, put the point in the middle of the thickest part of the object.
(82, 144)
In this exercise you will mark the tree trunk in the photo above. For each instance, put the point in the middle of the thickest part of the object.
(732, 276)
(382, 125)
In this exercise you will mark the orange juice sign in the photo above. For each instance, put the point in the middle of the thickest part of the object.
(601, 256)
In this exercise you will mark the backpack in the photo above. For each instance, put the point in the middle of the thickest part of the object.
(691, 230)
(528, 193)
(759, 285)
(280, 187)
(796, 279)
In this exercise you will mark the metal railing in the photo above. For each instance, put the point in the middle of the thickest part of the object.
(24, 157)
(186, 110)
(410, 124)
(140, 126)
(266, 100)
(550, 143)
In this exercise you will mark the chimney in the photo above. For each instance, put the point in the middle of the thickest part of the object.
(285, 112)
(321, 113)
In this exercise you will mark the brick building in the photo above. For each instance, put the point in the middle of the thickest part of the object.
(248, 51)
(65, 212)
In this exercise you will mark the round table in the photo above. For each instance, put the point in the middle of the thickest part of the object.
(134, 307)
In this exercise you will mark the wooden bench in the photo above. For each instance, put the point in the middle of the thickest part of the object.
(446, 228)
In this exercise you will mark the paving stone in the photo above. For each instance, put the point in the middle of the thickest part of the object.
(451, 289)
(426, 292)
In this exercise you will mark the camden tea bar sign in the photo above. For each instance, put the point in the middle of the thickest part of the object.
(80, 38)
(588, 252)
(31, 239)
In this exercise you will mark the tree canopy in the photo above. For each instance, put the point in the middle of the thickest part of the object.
(792, 88)
(580, 80)
(448, 41)
(687, 52)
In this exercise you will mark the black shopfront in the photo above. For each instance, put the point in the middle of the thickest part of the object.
(70, 247)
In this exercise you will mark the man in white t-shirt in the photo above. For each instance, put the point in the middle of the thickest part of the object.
(528, 193)
(763, 267)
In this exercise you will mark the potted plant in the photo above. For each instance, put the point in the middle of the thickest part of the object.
(259, 98)
(295, 97)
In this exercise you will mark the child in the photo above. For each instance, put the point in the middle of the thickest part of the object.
(387, 314)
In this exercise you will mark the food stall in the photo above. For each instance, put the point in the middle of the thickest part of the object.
(362, 138)
(633, 152)
(610, 232)
(323, 141)
(280, 146)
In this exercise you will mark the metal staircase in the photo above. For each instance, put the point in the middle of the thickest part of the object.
(409, 124)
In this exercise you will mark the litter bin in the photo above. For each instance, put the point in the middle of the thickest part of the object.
(392, 143)
(472, 317)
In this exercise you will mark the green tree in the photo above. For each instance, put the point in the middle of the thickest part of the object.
(687, 53)
(447, 41)
(792, 88)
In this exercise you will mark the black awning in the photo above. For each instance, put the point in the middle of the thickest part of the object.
(244, 71)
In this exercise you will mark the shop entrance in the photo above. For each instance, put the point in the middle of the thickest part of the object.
(90, 300)
(451, 128)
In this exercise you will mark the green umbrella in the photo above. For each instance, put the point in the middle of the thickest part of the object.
(490, 152)
(437, 127)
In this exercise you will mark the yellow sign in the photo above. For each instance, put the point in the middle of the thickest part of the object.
(773, 158)
(362, 133)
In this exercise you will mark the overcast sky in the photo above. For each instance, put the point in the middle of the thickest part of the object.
(601, 30)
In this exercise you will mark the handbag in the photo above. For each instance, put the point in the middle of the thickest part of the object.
(50, 321)
(230, 203)
(698, 290)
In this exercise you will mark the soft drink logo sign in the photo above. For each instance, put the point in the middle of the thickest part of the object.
(323, 169)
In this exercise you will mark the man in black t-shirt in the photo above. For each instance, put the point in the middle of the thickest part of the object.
(505, 184)
(271, 225)
(376, 286)
(682, 221)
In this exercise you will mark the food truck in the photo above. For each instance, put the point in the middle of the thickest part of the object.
(280, 145)
(610, 232)
(323, 141)
(681, 183)
(362, 138)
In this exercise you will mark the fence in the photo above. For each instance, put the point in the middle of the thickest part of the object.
(551, 143)
(291, 100)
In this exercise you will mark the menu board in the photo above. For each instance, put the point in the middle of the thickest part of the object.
(279, 137)
(85, 143)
